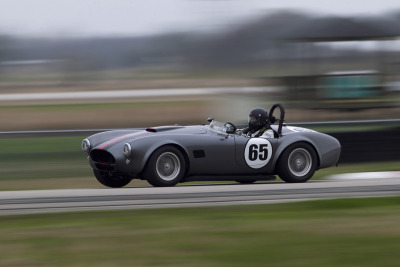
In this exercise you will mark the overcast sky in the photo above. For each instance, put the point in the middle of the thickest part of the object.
(142, 17)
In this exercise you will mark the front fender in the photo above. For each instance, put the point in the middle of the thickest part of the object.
(143, 148)
(104, 137)
(157, 145)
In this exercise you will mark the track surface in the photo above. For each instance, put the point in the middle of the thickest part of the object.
(48, 201)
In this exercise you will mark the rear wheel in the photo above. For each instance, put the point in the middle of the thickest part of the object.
(297, 163)
(165, 167)
(112, 180)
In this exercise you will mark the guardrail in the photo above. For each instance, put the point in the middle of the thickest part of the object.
(56, 131)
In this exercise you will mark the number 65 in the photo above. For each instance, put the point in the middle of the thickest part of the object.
(258, 152)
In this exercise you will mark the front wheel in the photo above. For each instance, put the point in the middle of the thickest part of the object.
(112, 180)
(165, 167)
(297, 163)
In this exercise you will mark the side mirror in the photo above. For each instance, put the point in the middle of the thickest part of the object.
(210, 119)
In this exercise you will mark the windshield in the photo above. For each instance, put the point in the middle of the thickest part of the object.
(218, 126)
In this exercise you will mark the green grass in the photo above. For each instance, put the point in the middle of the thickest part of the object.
(345, 232)
(75, 77)
(93, 106)
(42, 157)
(46, 163)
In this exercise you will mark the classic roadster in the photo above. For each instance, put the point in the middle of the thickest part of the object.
(167, 155)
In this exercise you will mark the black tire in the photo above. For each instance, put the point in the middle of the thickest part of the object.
(297, 163)
(111, 180)
(165, 167)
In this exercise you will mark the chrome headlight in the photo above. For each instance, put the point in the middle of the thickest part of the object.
(127, 150)
(85, 145)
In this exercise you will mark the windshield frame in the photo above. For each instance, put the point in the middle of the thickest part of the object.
(218, 127)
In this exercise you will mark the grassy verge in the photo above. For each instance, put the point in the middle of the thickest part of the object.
(105, 115)
(46, 163)
(92, 106)
(347, 232)
(42, 157)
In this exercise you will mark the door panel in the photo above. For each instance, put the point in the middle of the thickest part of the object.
(214, 154)
(255, 154)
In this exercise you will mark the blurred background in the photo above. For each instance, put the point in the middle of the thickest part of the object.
(120, 64)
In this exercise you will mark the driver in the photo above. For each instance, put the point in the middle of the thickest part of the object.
(259, 124)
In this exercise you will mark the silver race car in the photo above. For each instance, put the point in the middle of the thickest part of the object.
(167, 155)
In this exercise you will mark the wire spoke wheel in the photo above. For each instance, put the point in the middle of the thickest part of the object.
(165, 167)
(168, 166)
(300, 162)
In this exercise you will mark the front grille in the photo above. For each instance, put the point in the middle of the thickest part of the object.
(103, 160)
(105, 167)
(101, 156)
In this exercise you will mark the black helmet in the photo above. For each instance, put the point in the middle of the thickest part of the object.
(257, 119)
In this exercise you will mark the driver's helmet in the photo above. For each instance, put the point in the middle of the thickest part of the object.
(257, 119)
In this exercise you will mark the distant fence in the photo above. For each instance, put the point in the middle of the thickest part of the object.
(358, 146)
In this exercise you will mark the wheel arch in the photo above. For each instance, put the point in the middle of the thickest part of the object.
(281, 149)
(151, 151)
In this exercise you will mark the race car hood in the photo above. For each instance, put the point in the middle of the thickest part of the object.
(178, 130)
(106, 140)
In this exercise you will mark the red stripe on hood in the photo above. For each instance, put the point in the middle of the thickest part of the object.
(112, 141)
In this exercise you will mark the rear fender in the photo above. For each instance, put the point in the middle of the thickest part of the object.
(296, 139)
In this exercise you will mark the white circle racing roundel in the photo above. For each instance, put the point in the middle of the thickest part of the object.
(258, 152)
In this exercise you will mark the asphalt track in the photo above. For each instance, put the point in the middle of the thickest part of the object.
(50, 201)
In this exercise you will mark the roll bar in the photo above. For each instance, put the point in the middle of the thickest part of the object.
(280, 120)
